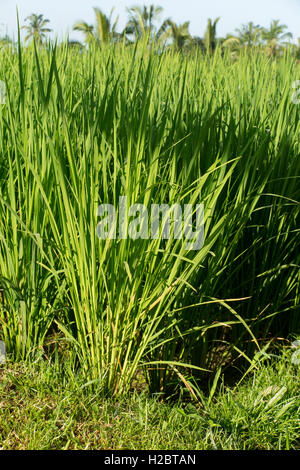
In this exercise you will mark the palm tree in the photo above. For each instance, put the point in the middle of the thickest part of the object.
(249, 34)
(86, 29)
(275, 35)
(210, 37)
(36, 28)
(142, 21)
(233, 44)
(103, 31)
(179, 34)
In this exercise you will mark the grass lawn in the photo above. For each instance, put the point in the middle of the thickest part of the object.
(42, 407)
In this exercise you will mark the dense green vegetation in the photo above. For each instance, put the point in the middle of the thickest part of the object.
(81, 128)
(146, 344)
(43, 408)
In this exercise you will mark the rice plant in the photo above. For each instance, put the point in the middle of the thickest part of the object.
(83, 128)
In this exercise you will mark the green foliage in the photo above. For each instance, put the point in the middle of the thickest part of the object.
(143, 24)
(37, 28)
(210, 38)
(275, 35)
(142, 21)
(104, 30)
(83, 128)
(179, 34)
(45, 406)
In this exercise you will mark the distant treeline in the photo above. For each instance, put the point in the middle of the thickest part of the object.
(146, 22)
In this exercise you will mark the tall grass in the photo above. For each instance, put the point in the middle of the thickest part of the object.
(83, 128)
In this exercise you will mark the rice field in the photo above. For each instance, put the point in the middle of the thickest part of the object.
(82, 128)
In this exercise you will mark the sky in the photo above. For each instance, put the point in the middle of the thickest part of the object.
(63, 14)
